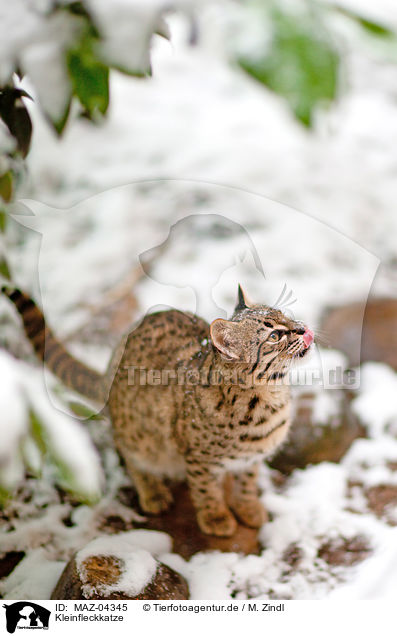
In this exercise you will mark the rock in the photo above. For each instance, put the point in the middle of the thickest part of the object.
(180, 523)
(312, 442)
(382, 501)
(364, 332)
(292, 556)
(344, 552)
(131, 573)
(167, 584)
(9, 561)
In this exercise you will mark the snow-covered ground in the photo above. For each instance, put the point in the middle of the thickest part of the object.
(209, 168)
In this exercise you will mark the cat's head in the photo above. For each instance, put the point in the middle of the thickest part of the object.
(261, 337)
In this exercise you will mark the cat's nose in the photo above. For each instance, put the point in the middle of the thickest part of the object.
(308, 337)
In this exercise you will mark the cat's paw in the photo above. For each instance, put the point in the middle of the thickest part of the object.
(251, 512)
(156, 501)
(217, 523)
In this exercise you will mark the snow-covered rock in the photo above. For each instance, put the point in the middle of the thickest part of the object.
(117, 567)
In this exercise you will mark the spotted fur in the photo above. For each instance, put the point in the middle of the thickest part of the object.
(217, 402)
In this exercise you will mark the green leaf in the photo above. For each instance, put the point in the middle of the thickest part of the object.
(83, 411)
(60, 124)
(6, 189)
(5, 497)
(89, 77)
(374, 28)
(3, 221)
(38, 432)
(4, 269)
(300, 65)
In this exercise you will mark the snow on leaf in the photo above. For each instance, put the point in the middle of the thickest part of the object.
(46, 66)
(13, 421)
(26, 411)
(34, 42)
(126, 28)
(67, 443)
(32, 456)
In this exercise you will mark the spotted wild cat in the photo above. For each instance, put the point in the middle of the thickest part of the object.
(191, 400)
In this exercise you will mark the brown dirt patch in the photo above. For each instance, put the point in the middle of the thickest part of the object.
(344, 552)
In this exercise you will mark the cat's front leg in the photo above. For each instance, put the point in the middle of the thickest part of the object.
(244, 499)
(206, 490)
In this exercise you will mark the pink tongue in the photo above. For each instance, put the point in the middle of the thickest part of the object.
(308, 337)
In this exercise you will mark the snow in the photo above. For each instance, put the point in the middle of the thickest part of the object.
(325, 408)
(376, 579)
(308, 514)
(202, 149)
(12, 421)
(34, 577)
(376, 404)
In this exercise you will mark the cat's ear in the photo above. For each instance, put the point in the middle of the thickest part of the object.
(241, 302)
(226, 337)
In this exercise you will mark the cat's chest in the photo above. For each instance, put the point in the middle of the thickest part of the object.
(239, 416)
(256, 435)
(239, 408)
(258, 419)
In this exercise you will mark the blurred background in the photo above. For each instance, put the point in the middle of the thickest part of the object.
(157, 154)
(293, 101)
(240, 109)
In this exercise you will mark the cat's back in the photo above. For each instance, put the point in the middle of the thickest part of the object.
(163, 339)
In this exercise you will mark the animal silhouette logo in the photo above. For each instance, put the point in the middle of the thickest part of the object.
(26, 615)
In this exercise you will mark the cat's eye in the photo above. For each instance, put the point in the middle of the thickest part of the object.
(274, 336)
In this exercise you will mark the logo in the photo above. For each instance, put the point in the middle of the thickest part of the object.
(26, 615)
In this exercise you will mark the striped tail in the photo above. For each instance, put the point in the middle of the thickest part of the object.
(73, 373)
